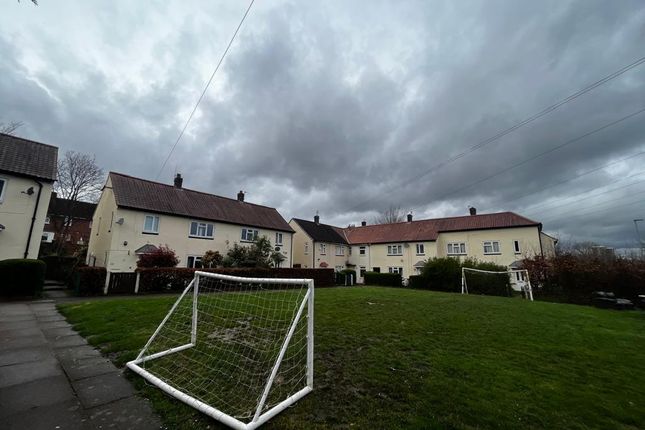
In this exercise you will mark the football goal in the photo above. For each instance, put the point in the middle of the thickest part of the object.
(237, 349)
(497, 283)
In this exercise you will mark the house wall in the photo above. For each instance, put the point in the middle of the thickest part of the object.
(314, 258)
(548, 244)
(529, 238)
(300, 238)
(115, 248)
(376, 256)
(98, 250)
(16, 212)
(76, 237)
(329, 257)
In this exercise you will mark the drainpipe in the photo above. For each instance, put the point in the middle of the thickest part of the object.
(33, 218)
(540, 240)
(313, 254)
(291, 252)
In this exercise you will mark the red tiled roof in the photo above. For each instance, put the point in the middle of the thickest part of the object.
(28, 158)
(429, 229)
(141, 194)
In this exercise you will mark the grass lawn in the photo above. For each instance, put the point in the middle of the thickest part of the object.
(398, 358)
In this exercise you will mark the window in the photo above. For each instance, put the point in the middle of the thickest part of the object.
(278, 238)
(491, 247)
(394, 250)
(397, 270)
(361, 250)
(362, 271)
(520, 276)
(202, 230)
(151, 224)
(338, 268)
(457, 248)
(306, 248)
(67, 221)
(340, 250)
(323, 248)
(3, 186)
(48, 237)
(421, 249)
(376, 269)
(47, 220)
(516, 247)
(249, 234)
(194, 262)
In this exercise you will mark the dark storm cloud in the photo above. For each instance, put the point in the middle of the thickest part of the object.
(331, 107)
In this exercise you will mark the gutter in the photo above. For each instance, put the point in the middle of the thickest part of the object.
(33, 218)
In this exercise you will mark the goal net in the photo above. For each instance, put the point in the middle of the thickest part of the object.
(496, 283)
(237, 349)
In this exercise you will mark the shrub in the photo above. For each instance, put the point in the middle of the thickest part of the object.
(212, 259)
(59, 268)
(384, 279)
(442, 274)
(160, 257)
(89, 281)
(22, 277)
(417, 282)
(486, 283)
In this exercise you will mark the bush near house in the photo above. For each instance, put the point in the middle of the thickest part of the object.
(383, 279)
(89, 281)
(21, 277)
(163, 256)
(572, 278)
(59, 268)
(343, 276)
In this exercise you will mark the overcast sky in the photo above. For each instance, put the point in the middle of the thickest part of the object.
(342, 106)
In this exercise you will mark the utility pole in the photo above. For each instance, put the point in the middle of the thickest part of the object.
(641, 242)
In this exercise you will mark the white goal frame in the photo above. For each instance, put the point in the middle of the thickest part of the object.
(259, 417)
(528, 289)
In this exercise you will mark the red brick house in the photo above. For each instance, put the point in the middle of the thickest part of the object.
(77, 233)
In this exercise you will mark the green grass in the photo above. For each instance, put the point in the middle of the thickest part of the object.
(397, 358)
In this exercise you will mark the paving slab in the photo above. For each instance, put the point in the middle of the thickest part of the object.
(30, 323)
(42, 392)
(87, 367)
(124, 414)
(27, 372)
(57, 332)
(59, 416)
(11, 309)
(24, 355)
(102, 389)
(15, 318)
(77, 352)
(53, 324)
(22, 342)
(52, 318)
(9, 333)
(67, 341)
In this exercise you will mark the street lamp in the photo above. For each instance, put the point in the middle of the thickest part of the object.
(641, 242)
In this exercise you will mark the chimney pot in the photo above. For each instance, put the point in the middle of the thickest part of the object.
(240, 196)
(473, 211)
(317, 219)
(363, 223)
(179, 181)
(410, 217)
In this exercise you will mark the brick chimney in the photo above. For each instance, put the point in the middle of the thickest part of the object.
(473, 211)
(179, 181)
(363, 223)
(240, 196)
(317, 218)
(410, 217)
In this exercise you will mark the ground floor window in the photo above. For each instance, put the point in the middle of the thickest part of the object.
(194, 262)
(397, 270)
(362, 271)
(376, 269)
(338, 268)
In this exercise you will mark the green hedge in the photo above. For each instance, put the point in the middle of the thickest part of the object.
(444, 274)
(384, 279)
(343, 276)
(417, 282)
(22, 277)
(89, 281)
(59, 268)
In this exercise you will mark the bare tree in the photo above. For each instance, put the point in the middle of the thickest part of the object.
(79, 179)
(10, 127)
(391, 215)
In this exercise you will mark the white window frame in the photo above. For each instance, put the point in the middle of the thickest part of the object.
(362, 250)
(278, 238)
(450, 248)
(421, 249)
(396, 250)
(48, 237)
(396, 270)
(153, 231)
(306, 248)
(323, 248)
(48, 220)
(201, 225)
(491, 244)
(245, 234)
(517, 249)
(68, 219)
(195, 259)
(339, 268)
(340, 250)
(3, 190)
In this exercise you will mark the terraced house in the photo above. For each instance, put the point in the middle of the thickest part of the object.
(135, 215)
(504, 238)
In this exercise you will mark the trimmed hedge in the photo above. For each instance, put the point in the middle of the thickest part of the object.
(177, 278)
(383, 279)
(444, 274)
(22, 277)
(417, 282)
(59, 268)
(343, 276)
(89, 281)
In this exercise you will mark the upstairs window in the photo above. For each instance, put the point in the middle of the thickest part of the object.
(491, 247)
(361, 250)
(516, 247)
(340, 250)
(421, 249)
(151, 224)
(323, 249)
(249, 234)
(201, 230)
(394, 250)
(278, 238)
(457, 248)
(306, 247)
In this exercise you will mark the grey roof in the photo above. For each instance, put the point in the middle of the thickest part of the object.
(75, 209)
(141, 194)
(145, 249)
(321, 232)
(24, 157)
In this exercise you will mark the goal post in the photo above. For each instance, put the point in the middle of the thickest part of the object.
(518, 280)
(237, 349)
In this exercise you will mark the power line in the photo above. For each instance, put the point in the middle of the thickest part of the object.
(598, 204)
(190, 117)
(612, 207)
(541, 154)
(503, 133)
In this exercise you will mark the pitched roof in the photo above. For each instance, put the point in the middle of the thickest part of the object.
(141, 194)
(80, 210)
(429, 229)
(27, 158)
(322, 232)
